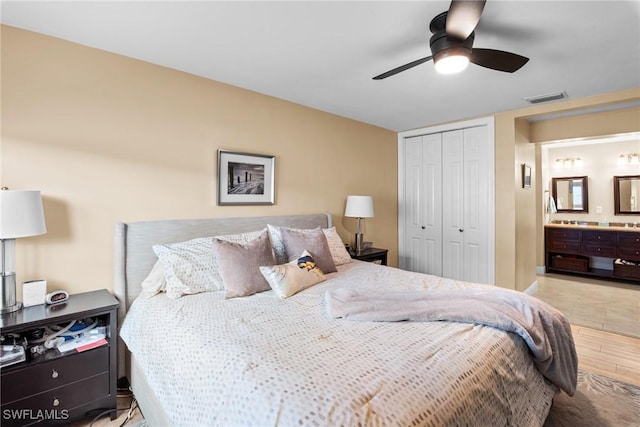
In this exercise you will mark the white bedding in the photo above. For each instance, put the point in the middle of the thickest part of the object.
(260, 360)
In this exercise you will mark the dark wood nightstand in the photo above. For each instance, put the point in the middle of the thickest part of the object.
(59, 387)
(377, 255)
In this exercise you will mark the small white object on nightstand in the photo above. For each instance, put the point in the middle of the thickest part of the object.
(34, 292)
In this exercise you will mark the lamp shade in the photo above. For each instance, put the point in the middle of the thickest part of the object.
(359, 207)
(21, 214)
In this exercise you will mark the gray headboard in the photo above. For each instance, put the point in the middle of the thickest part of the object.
(134, 256)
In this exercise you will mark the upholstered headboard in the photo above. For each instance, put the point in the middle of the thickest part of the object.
(134, 256)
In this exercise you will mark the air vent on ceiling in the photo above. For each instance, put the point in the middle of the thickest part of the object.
(546, 97)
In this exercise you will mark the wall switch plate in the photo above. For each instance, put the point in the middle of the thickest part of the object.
(598, 209)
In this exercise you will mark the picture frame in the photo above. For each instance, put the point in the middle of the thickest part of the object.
(526, 176)
(245, 178)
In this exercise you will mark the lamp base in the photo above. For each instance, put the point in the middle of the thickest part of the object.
(359, 242)
(8, 304)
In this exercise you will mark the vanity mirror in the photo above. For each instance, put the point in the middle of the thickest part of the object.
(626, 195)
(571, 194)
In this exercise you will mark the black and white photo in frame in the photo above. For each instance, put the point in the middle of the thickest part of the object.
(245, 179)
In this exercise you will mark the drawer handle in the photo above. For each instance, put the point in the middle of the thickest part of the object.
(56, 402)
(54, 374)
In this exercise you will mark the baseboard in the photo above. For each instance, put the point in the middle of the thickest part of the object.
(531, 290)
(541, 269)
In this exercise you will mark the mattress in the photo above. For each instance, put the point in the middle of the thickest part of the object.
(261, 360)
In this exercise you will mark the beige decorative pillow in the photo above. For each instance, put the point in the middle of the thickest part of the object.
(338, 252)
(313, 241)
(240, 265)
(293, 277)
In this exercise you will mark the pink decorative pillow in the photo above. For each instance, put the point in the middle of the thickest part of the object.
(314, 242)
(240, 265)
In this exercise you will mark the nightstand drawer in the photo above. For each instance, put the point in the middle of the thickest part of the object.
(55, 404)
(33, 379)
(375, 255)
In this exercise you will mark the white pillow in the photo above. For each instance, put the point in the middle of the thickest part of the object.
(155, 282)
(191, 267)
(339, 253)
(336, 246)
(290, 278)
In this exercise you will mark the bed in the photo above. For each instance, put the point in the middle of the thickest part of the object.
(264, 359)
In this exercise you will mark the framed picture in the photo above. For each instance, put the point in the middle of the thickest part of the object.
(245, 179)
(526, 176)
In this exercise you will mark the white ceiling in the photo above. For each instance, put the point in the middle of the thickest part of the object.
(323, 54)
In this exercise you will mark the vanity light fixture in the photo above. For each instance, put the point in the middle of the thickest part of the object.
(629, 159)
(569, 162)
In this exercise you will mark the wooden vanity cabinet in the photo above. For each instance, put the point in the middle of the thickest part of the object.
(568, 250)
(629, 246)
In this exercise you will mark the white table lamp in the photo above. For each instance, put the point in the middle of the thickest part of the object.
(359, 207)
(21, 215)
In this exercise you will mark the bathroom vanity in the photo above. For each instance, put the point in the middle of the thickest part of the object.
(569, 249)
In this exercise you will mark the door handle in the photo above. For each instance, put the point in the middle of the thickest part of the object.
(423, 227)
(461, 230)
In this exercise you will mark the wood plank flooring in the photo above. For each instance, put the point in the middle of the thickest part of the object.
(605, 353)
(605, 320)
(598, 304)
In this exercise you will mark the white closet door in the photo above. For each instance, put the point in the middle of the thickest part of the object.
(446, 202)
(477, 182)
(423, 213)
(452, 204)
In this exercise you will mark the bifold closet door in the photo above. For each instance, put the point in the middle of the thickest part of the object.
(423, 204)
(466, 204)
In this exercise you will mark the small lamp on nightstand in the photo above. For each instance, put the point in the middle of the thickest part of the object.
(21, 215)
(359, 207)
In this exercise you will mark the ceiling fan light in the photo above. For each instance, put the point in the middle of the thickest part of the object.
(451, 64)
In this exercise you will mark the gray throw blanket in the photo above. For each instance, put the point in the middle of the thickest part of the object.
(545, 330)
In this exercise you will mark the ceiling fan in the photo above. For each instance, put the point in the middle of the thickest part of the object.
(452, 43)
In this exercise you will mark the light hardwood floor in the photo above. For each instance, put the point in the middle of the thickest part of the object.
(598, 304)
(612, 355)
(605, 320)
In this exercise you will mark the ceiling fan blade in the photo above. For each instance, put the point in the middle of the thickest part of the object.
(497, 59)
(402, 68)
(463, 17)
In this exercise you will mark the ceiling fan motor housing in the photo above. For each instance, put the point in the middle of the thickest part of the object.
(443, 45)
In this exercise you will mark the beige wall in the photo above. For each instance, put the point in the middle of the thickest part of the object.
(520, 209)
(107, 138)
